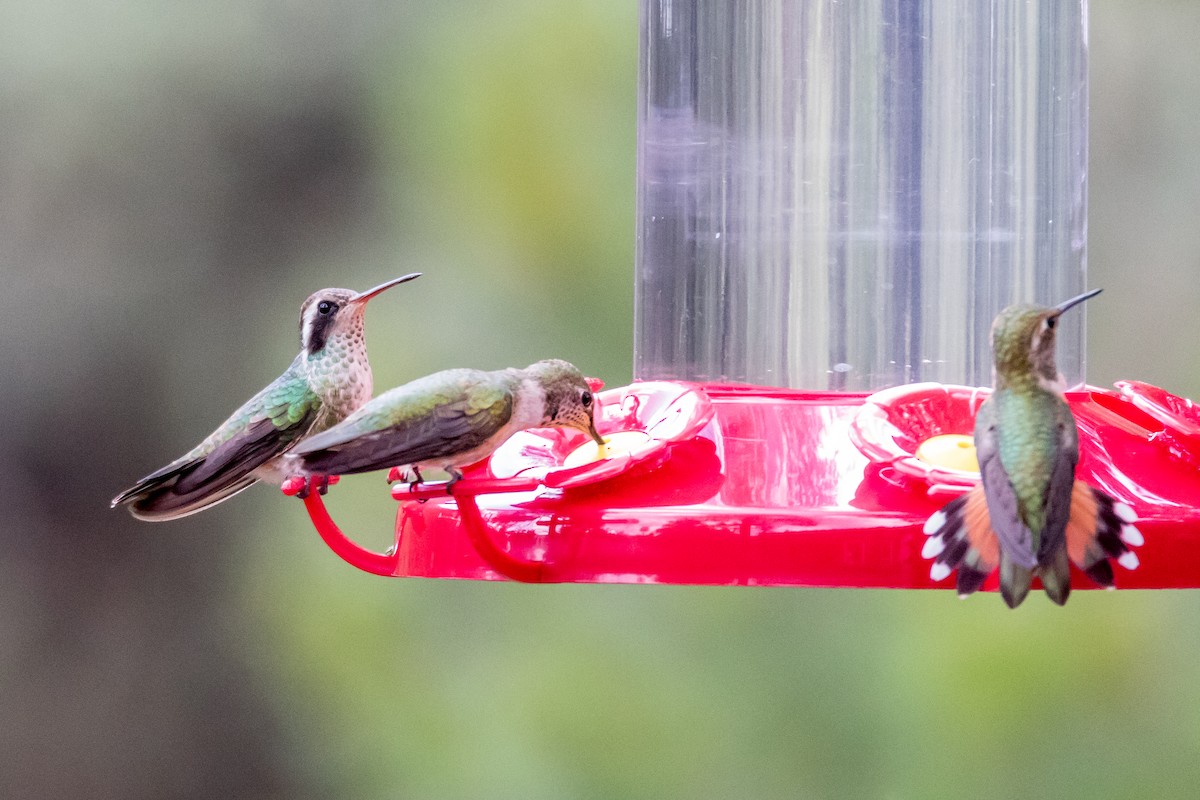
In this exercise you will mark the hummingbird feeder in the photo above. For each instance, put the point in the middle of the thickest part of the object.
(834, 200)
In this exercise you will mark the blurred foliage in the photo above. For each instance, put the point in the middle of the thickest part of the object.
(176, 178)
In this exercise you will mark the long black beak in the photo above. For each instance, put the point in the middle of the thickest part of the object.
(594, 434)
(363, 297)
(1074, 301)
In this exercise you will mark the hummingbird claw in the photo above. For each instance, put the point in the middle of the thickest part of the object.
(455, 477)
(301, 486)
(410, 475)
(323, 482)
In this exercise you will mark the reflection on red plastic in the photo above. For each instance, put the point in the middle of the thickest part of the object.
(762, 486)
(1176, 420)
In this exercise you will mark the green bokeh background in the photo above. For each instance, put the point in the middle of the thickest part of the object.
(176, 178)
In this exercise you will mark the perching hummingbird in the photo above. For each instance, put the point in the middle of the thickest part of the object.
(449, 419)
(1029, 514)
(327, 380)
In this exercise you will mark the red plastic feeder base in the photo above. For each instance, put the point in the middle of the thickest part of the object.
(757, 486)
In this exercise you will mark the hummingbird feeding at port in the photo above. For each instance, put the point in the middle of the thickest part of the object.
(449, 420)
(327, 380)
(1029, 515)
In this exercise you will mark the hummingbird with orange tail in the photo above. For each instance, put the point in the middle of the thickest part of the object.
(328, 379)
(1029, 515)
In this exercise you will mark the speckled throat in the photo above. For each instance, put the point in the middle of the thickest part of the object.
(340, 374)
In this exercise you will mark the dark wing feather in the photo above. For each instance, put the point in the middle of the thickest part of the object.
(265, 426)
(1061, 487)
(162, 503)
(258, 443)
(402, 426)
(200, 482)
(1016, 540)
(1052, 547)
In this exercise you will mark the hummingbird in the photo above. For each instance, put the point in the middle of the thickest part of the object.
(327, 380)
(450, 419)
(1029, 515)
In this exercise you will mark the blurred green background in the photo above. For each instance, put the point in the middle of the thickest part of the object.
(175, 178)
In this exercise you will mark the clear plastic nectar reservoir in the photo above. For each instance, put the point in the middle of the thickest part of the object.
(841, 195)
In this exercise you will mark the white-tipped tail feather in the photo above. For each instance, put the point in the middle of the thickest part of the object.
(1132, 536)
(1099, 531)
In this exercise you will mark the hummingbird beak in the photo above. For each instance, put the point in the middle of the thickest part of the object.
(1074, 301)
(363, 297)
(596, 437)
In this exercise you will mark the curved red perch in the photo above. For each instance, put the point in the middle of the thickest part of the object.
(526, 571)
(348, 550)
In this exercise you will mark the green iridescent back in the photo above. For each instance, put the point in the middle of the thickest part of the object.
(1030, 441)
(287, 401)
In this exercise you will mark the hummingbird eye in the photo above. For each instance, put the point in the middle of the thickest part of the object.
(325, 307)
(585, 398)
(1051, 322)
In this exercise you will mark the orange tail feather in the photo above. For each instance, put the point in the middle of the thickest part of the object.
(961, 537)
(1100, 529)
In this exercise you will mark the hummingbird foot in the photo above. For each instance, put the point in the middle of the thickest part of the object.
(301, 486)
(455, 477)
(409, 474)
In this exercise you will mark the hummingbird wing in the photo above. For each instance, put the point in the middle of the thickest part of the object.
(1052, 552)
(435, 417)
(265, 426)
(1062, 482)
(1016, 540)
